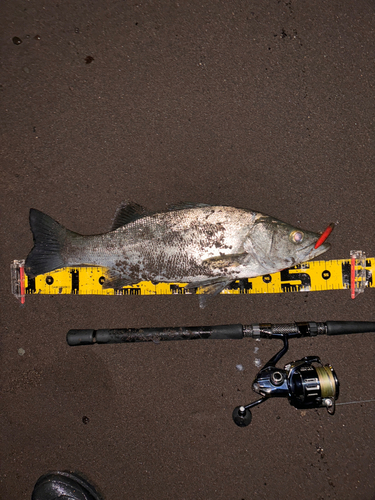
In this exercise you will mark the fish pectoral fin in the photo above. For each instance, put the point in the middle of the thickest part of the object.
(215, 288)
(126, 213)
(116, 281)
(222, 261)
(208, 288)
(211, 286)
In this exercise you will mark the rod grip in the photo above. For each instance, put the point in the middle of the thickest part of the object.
(118, 336)
(345, 327)
(80, 337)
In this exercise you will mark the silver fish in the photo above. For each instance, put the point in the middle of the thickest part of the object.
(205, 246)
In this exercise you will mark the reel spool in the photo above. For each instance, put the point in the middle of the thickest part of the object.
(312, 386)
(306, 383)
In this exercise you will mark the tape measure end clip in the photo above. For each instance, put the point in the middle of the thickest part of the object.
(17, 271)
(357, 273)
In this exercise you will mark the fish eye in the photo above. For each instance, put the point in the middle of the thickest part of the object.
(296, 236)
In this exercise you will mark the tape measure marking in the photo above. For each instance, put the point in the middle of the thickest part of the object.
(306, 277)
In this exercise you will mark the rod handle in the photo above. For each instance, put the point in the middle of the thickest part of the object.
(118, 336)
(345, 327)
(80, 337)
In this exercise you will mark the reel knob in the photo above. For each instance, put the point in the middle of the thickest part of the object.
(242, 416)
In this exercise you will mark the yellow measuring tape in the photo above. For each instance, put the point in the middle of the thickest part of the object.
(353, 274)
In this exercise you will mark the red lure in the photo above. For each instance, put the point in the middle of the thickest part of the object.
(324, 235)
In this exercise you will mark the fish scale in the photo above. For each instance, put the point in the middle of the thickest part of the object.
(207, 247)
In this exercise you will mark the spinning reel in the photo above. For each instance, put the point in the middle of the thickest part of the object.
(306, 383)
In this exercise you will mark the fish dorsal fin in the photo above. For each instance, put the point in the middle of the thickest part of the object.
(126, 213)
(185, 205)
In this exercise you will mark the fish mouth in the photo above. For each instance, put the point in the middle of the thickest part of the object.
(319, 246)
(315, 252)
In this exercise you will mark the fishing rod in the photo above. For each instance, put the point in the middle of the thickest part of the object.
(306, 383)
(237, 331)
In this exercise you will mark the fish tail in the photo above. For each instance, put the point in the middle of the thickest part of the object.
(49, 240)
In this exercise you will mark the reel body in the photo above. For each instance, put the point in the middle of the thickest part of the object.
(306, 383)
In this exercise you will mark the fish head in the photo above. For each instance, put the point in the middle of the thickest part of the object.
(278, 245)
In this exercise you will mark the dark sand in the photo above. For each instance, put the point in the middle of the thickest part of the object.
(262, 105)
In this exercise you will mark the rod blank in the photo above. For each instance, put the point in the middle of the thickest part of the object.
(262, 330)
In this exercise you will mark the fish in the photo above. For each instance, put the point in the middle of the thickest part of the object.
(205, 246)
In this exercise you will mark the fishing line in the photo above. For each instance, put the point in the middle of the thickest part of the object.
(356, 402)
